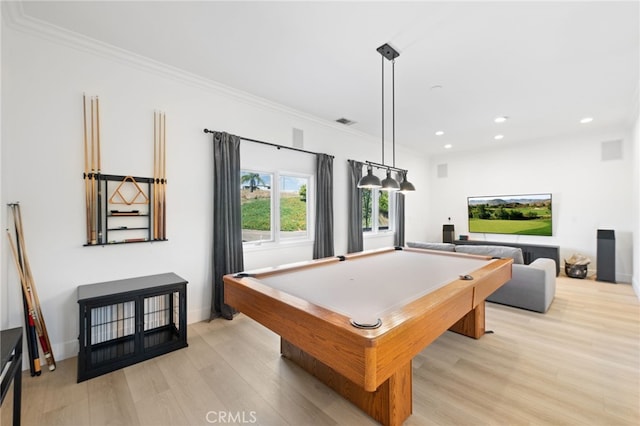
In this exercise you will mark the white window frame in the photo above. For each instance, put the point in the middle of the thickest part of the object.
(375, 214)
(275, 219)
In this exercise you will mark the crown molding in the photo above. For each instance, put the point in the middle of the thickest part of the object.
(14, 17)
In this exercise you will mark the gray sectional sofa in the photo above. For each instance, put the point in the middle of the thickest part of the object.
(532, 286)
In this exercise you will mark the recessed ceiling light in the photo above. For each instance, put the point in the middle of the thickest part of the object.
(586, 120)
(439, 133)
(500, 119)
(498, 137)
(448, 146)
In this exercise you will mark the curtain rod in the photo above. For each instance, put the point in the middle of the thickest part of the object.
(272, 144)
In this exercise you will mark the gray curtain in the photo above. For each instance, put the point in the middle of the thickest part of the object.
(227, 219)
(323, 244)
(398, 237)
(355, 241)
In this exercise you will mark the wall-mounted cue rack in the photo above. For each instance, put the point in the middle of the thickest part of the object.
(123, 209)
(128, 215)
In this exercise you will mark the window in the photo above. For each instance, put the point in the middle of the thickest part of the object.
(274, 206)
(376, 215)
(294, 212)
(255, 200)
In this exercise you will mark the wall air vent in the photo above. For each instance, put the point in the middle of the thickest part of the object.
(345, 121)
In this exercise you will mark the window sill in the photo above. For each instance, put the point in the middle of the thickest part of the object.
(379, 234)
(271, 245)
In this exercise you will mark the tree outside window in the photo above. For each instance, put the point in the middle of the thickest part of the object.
(255, 200)
(375, 210)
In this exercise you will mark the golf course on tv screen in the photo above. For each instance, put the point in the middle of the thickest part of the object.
(511, 214)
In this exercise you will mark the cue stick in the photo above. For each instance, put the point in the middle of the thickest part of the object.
(155, 192)
(93, 170)
(38, 317)
(32, 339)
(98, 132)
(164, 176)
(26, 289)
(87, 181)
(155, 175)
(159, 177)
(32, 343)
(99, 186)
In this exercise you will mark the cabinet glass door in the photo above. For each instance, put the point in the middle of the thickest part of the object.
(112, 331)
(161, 314)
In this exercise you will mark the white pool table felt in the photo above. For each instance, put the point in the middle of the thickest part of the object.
(366, 288)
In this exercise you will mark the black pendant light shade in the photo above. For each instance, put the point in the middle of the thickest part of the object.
(405, 185)
(389, 183)
(370, 180)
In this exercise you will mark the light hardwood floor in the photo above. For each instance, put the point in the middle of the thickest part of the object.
(576, 365)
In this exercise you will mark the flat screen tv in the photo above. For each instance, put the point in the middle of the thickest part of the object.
(528, 214)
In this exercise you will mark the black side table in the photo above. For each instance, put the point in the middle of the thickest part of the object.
(11, 344)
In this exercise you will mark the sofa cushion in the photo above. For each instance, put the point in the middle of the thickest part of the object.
(493, 251)
(432, 246)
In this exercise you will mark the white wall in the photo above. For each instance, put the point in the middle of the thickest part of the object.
(588, 193)
(45, 73)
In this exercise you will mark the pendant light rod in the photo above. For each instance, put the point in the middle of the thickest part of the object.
(382, 62)
(393, 108)
(385, 166)
(388, 52)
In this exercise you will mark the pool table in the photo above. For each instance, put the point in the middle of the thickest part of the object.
(356, 321)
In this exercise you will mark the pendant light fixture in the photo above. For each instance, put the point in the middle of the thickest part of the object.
(389, 183)
(370, 180)
(405, 185)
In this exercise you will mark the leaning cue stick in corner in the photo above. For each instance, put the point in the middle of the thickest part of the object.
(32, 335)
(32, 342)
(38, 316)
(32, 339)
(27, 290)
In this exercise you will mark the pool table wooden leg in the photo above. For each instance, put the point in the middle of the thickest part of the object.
(472, 324)
(390, 404)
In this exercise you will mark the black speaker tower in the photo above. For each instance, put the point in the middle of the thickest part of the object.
(606, 256)
(448, 233)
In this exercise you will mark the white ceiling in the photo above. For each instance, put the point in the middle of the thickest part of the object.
(545, 65)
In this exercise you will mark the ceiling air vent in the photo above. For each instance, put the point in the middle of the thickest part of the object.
(345, 121)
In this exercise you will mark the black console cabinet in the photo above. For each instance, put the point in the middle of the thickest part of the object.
(530, 252)
(127, 321)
